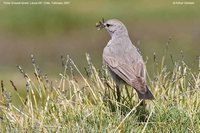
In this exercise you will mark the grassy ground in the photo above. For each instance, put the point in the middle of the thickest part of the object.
(71, 104)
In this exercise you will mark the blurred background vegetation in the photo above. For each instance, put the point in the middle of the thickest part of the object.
(49, 31)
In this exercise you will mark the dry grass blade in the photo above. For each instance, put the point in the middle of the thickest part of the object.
(90, 105)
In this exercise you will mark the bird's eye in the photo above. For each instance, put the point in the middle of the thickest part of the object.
(108, 25)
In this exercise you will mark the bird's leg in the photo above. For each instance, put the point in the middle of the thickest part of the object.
(143, 103)
(118, 93)
(142, 112)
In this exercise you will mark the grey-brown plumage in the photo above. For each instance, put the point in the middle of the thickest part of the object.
(123, 59)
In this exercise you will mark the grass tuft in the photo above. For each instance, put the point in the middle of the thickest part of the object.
(88, 102)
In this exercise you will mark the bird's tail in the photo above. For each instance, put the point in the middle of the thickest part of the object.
(147, 95)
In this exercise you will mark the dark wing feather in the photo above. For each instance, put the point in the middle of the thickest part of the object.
(133, 74)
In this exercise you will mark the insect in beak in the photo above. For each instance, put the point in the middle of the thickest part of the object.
(100, 25)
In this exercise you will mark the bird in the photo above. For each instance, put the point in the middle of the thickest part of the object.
(124, 60)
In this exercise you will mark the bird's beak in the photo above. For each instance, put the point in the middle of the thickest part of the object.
(100, 25)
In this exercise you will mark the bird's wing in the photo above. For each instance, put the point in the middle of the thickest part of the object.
(133, 73)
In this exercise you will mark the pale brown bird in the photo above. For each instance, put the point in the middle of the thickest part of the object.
(123, 59)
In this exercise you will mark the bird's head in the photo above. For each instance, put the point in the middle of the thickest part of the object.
(113, 26)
